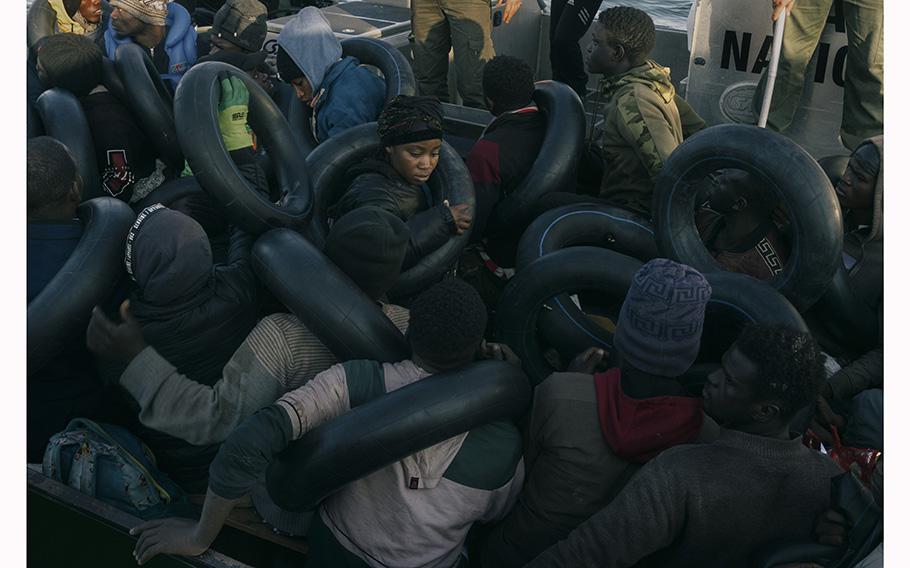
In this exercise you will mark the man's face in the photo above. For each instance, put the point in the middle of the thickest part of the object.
(302, 89)
(856, 189)
(602, 53)
(90, 10)
(729, 394)
(125, 24)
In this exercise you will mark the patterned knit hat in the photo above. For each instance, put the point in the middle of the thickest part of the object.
(661, 320)
(242, 22)
(152, 12)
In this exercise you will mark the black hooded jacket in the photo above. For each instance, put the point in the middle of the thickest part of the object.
(376, 183)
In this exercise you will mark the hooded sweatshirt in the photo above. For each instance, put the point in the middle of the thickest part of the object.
(193, 313)
(71, 21)
(344, 93)
(644, 121)
(585, 440)
(179, 44)
(864, 247)
(415, 512)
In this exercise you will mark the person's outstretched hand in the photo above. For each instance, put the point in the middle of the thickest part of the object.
(780, 6)
(116, 341)
(166, 536)
(233, 107)
(588, 361)
(512, 7)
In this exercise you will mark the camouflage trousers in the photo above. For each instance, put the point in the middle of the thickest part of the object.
(863, 113)
(462, 25)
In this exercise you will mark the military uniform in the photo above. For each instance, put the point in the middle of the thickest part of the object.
(863, 113)
(440, 25)
(644, 121)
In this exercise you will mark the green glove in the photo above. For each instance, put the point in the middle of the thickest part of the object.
(232, 110)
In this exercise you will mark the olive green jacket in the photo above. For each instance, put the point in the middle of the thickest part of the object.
(644, 121)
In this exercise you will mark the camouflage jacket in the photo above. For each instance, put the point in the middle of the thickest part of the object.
(644, 121)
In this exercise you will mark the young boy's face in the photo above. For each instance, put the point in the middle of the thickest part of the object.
(603, 53)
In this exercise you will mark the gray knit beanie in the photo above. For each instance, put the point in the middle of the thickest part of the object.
(661, 320)
(241, 22)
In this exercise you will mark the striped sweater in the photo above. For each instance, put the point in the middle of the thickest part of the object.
(280, 355)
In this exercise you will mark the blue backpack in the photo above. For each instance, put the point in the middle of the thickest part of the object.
(110, 463)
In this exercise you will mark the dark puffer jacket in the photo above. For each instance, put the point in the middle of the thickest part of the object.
(376, 183)
(193, 313)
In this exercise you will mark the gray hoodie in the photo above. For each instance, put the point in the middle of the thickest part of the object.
(309, 41)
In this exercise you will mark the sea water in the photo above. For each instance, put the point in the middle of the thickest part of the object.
(669, 13)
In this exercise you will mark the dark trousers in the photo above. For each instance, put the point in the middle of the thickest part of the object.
(568, 22)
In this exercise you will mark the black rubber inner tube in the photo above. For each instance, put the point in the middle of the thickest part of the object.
(736, 298)
(834, 167)
(329, 165)
(150, 102)
(786, 170)
(395, 69)
(392, 427)
(556, 166)
(844, 319)
(332, 306)
(39, 22)
(89, 276)
(196, 111)
(63, 119)
(112, 81)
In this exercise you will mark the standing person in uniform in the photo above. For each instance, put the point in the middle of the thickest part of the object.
(863, 114)
(569, 21)
(463, 25)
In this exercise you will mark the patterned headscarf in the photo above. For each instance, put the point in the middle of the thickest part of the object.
(410, 119)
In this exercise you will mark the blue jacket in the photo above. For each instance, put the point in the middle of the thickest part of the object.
(351, 96)
(180, 43)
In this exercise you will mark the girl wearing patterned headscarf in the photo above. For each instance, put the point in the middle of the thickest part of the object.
(410, 129)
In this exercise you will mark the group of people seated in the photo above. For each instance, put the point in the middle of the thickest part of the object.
(618, 460)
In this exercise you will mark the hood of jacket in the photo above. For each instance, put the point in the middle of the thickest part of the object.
(639, 429)
(649, 74)
(74, 23)
(309, 41)
(169, 256)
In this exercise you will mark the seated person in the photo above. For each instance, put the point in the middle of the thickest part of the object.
(341, 93)
(587, 435)
(410, 129)
(644, 118)
(415, 512)
(163, 30)
(508, 147)
(737, 228)
(81, 17)
(67, 387)
(280, 354)
(856, 391)
(713, 504)
(239, 25)
(126, 158)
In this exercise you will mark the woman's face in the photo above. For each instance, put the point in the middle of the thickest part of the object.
(415, 161)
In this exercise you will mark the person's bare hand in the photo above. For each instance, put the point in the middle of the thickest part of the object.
(588, 361)
(499, 352)
(779, 6)
(512, 7)
(461, 214)
(116, 341)
(166, 536)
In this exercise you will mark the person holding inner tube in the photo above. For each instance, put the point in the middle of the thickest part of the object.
(194, 313)
(68, 387)
(738, 229)
(341, 93)
(644, 118)
(410, 129)
(125, 156)
(163, 29)
(590, 432)
(415, 512)
(279, 355)
(713, 504)
(853, 398)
